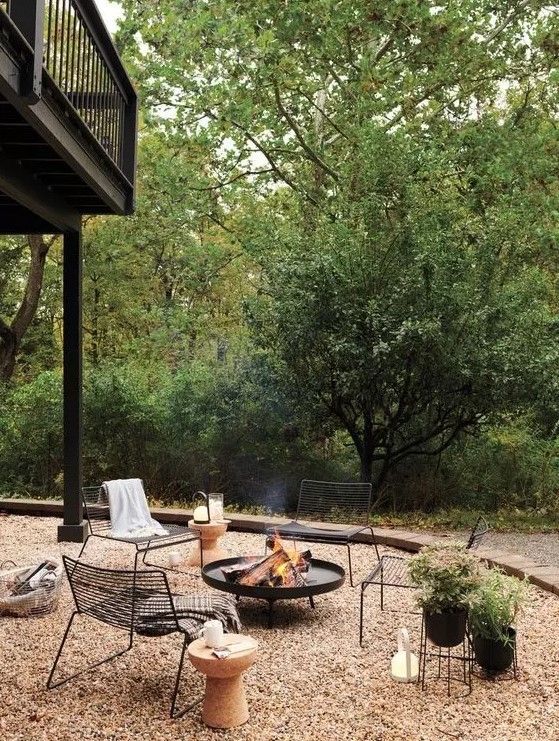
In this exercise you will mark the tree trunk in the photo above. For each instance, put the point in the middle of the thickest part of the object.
(12, 334)
(367, 449)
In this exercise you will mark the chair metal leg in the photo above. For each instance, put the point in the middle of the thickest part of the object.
(374, 542)
(86, 541)
(363, 587)
(52, 685)
(350, 571)
(174, 713)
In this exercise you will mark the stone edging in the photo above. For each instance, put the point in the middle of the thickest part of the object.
(545, 577)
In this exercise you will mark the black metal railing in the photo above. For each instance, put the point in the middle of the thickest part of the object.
(79, 56)
(75, 59)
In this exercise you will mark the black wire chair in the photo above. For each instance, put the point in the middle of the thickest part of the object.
(133, 601)
(392, 571)
(99, 519)
(321, 501)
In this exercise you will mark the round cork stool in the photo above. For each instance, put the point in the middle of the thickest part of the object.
(209, 534)
(225, 704)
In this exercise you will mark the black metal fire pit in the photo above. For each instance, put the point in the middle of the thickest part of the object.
(322, 577)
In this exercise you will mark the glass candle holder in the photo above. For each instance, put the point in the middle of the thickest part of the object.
(216, 507)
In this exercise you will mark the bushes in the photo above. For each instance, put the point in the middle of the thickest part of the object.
(174, 431)
(30, 435)
(505, 466)
(125, 420)
(234, 424)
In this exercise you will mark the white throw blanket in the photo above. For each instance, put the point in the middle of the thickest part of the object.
(130, 517)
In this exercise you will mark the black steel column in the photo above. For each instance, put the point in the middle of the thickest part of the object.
(73, 529)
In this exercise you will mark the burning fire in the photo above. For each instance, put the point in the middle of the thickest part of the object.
(297, 560)
(284, 567)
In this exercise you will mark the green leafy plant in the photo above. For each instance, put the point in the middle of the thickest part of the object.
(446, 575)
(495, 604)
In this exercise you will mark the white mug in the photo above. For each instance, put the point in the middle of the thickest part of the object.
(175, 558)
(212, 633)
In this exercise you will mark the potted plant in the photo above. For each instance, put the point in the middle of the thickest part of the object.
(445, 574)
(494, 607)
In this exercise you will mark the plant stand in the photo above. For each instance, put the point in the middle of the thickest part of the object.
(446, 659)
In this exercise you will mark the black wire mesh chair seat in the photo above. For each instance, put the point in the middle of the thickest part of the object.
(299, 531)
(324, 501)
(134, 601)
(99, 519)
(392, 571)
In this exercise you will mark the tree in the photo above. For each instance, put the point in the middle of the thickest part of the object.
(278, 92)
(404, 317)
(398, 161)
(165, 282)
(13, 330)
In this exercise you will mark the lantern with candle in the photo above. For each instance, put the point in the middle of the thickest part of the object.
(404, 666)
(201, 514)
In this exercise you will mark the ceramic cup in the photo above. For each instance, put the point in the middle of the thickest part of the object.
(174, 558)
(212, 632)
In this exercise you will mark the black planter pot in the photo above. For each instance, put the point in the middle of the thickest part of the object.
(493, 655)
(446, 629)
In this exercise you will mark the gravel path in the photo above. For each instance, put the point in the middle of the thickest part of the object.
(540, 547)
(543, 547)
(311, 680)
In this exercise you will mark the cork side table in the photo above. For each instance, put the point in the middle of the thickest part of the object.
(225, 704)
(209, 534)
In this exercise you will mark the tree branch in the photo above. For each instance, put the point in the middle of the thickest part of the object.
(300, 138)
(223, 183)
(271, 160)
(509, 18)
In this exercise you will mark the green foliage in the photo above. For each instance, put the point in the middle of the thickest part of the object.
(495, 604)
(404, 321)
(446, 574)
(30, 439)
(343, 261)
(513, 464)
(505, 519)
(124, 422)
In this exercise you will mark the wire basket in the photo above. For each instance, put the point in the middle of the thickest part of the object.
(35, 599)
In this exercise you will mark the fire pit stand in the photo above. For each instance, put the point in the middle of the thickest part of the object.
(323, 577)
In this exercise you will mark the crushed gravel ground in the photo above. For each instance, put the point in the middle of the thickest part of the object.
(542, 547)
(311, 680)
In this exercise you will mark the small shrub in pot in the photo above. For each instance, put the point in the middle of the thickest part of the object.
(494, 607)
(446, 574)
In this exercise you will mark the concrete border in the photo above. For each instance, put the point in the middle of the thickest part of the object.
(545, 577)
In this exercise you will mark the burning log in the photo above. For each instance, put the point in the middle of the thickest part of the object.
(280, 569)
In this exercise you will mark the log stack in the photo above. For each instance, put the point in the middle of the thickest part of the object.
(278, 569)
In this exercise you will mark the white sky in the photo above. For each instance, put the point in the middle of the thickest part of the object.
(111, 11)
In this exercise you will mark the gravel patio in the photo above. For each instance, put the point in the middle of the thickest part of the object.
(311, 679)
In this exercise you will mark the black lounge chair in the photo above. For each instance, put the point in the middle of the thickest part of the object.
(323, 501)
(392, 571)
(133, 601)
(98, 517)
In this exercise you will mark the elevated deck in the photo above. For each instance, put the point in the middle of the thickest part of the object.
(67, 117)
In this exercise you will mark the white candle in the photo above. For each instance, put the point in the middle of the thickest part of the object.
(200, 514)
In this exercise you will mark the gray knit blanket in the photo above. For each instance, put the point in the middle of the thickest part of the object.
(191, 612)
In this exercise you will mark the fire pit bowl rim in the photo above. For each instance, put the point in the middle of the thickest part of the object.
(325, 577)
